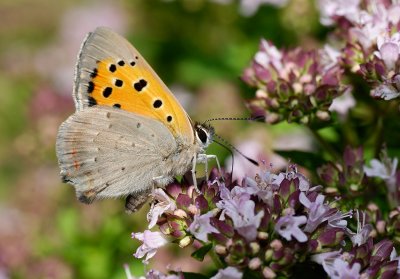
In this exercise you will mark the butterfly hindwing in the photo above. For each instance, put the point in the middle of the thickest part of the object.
(111, 72)
(106, 152)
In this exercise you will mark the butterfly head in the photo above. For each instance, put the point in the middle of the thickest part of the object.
(204, 134)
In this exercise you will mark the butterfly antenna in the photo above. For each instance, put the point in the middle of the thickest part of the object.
(229, 145)
(257, 118)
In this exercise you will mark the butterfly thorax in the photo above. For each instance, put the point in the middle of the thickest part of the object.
(182, 159)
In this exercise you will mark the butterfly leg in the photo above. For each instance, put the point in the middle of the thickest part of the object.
(206, 158)
(209, 157)
(195, 159)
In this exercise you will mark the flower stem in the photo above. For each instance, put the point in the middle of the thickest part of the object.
(379, 137)
(332, 152)
(217, 262)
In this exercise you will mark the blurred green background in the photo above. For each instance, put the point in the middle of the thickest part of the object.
(198, 47)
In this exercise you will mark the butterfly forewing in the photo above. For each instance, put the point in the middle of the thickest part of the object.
(111, 72)
(105, 152)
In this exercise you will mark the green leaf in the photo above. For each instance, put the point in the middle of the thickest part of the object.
(202, 252)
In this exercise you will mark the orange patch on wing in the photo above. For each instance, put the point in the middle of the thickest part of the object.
(130, 86)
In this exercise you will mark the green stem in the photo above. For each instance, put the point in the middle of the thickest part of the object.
(379, 137)
(216, 260)
(335, 156)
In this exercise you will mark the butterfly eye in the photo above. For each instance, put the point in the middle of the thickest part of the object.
(202, 135)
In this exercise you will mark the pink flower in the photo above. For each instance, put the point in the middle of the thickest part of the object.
(238, 206)
(268, 55)
(384, 170)
(343, 103)
(151, 242)
(386, 92)
(388, 49)
(228, 273)
(329, 57)
(337, 220)
(201, 226)
(336, 267)
(164, 204)
(330, 9)
(341, 269)
(363, 231)
(326, 259)
(155, 274)
(288, 227)
(317, 211)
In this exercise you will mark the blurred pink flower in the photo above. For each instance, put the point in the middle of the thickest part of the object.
(343, 103)
(330, 9)
(151, 242)
(228, 273)
(386, 92)
(388, 49)
(250, 7)
(241, 166)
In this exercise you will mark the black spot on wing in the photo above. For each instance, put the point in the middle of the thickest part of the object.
(140, 85)
(107, 92)
(118, 82)
(91, 101)
(157, 103)
(94, 73)
(90, 87)
(112, 68)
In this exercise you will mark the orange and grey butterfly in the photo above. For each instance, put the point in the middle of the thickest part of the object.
(129, 134)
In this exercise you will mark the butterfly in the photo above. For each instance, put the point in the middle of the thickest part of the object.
(129, 134)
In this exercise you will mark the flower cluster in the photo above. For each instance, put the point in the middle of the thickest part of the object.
(345, 177)
(370, 31)
(268, 226)
(294, 85)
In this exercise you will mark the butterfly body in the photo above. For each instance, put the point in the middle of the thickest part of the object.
(129, 134)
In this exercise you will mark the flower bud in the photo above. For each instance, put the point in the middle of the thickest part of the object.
(262, 235)
(268, 273)
(185, 241)
(255, 263)
(180, 213)
(220, 249)
(254, 247)
(268, 255)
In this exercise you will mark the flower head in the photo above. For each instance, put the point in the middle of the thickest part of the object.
(201, 226)
(288, 227)
(151, 242)
(293, 85)
(228, 273)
